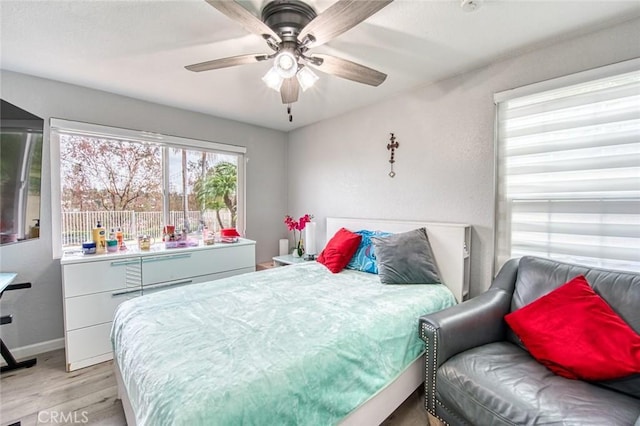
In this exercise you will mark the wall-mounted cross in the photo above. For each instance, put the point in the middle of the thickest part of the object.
(392, 147)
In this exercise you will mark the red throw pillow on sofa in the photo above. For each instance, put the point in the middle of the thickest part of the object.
(576, 334)
(339, 250)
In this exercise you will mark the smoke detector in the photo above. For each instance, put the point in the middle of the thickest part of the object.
(470, 5)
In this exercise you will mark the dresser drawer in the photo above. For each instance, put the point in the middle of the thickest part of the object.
(92, 309)
(88, 342)
(102, 276)
(163, 268)
(152, 288)
(220, 275)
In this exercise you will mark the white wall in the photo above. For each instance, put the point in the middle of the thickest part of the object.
(445, 163)
(38, 311)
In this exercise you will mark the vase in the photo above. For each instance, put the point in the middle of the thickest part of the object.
(298, 250)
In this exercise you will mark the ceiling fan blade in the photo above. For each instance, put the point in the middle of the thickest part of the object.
(338, 18)
(349, 70)
(226, 62)
(248, 20)
(289, 90)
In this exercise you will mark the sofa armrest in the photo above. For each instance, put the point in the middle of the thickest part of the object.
(475, 322)
(464, 326)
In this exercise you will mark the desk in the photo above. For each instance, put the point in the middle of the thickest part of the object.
(6, 278)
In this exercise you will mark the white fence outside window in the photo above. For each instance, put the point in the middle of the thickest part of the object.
(77, 226)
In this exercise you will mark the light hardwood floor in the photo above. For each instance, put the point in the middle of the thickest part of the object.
(46, 394)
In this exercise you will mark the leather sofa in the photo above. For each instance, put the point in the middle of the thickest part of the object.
(478, 372)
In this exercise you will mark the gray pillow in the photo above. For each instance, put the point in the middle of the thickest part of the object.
(406, 258)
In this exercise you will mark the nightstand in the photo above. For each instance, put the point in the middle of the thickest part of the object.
(287, 259)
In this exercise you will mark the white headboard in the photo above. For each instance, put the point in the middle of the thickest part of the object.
(451, 244)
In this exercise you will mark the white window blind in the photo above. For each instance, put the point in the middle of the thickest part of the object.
(568, 174)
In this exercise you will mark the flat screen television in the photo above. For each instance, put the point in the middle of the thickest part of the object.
(20, 173)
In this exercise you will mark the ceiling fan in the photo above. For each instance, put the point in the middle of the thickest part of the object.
(290, 28)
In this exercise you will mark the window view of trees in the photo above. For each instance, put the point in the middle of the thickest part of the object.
(209, 181)
(216, 190)
(111, 175)
(122, 184)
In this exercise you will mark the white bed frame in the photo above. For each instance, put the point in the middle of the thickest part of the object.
(448, 249)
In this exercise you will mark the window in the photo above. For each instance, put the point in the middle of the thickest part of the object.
(568, 169)
(140, 182)
(20, 173)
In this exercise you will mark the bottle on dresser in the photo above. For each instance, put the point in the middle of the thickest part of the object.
(120, 238)
(100, 238)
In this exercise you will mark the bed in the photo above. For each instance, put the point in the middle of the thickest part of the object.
(290, 345)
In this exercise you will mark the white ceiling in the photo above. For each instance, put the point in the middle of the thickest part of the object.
(139, 49)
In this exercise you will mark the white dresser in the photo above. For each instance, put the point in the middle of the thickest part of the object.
(94, 285)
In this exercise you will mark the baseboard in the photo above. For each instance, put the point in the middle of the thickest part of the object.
(37, 348)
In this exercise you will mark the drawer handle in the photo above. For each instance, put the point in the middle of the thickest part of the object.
(130, 291)
(165, 285)
(163, 258)
(124, 262)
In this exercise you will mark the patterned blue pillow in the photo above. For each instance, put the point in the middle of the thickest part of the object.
(365, 259)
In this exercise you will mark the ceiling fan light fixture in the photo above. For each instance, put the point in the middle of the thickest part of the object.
(306, 78)
(286, 64)
(272, 79)
(290, 28)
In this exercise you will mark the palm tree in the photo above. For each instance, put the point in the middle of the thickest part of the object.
(217, 190)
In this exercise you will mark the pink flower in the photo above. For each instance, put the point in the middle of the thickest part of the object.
(291, 224)
(297, 225)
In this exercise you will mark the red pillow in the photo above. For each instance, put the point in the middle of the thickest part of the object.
(339, 250)
(576, 334)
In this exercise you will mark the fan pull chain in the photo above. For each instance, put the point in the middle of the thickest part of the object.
(289, 112)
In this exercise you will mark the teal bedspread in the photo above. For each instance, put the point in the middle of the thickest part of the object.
(295, 345)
